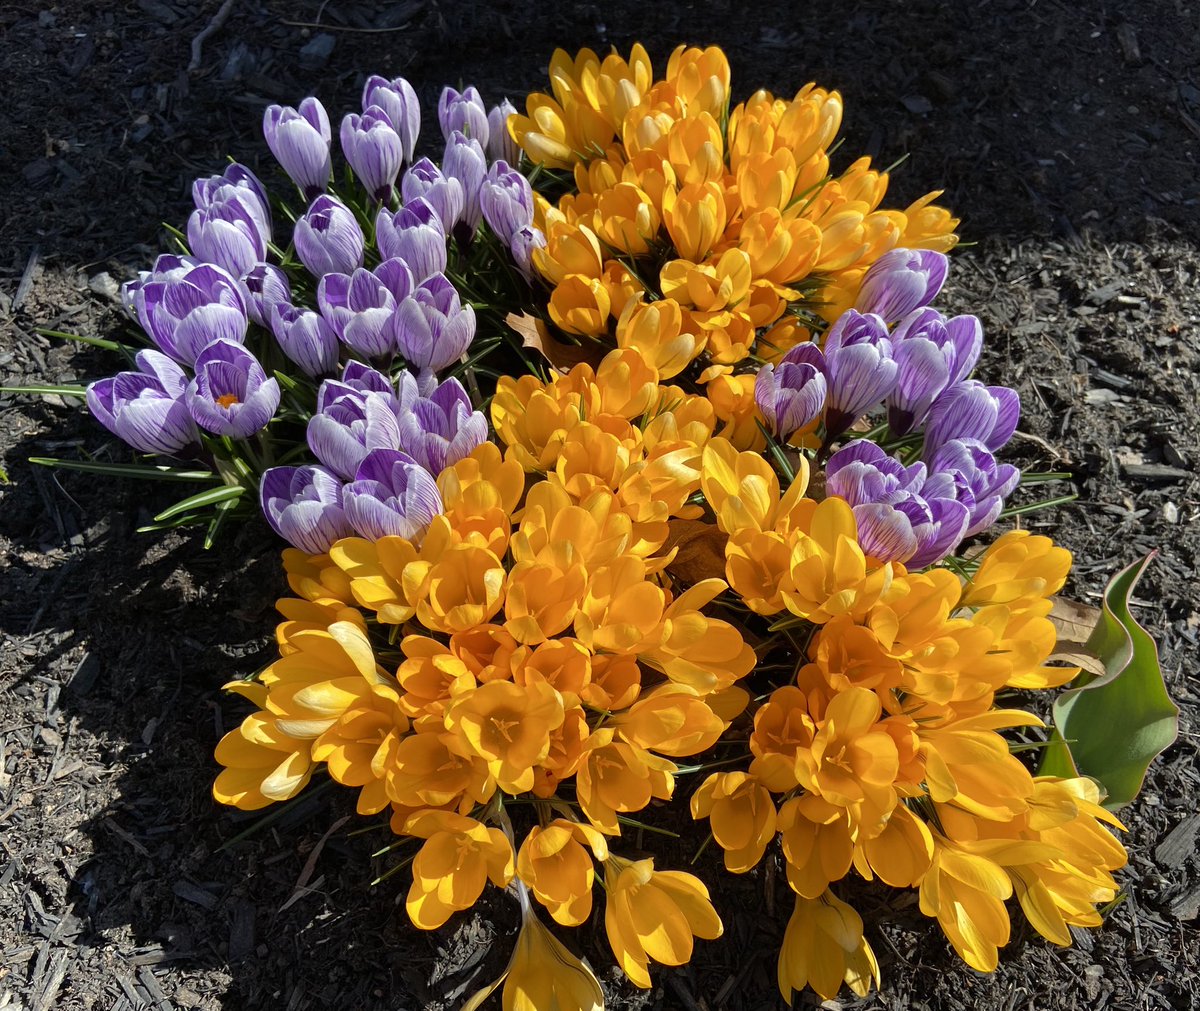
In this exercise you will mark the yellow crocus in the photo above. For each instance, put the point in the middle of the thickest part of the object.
(823, 947)
(741, 816)
(695, 216)
(459, 856)
(554, 862)
(580, 305)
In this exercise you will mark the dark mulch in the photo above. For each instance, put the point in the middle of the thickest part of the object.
(1066, 135)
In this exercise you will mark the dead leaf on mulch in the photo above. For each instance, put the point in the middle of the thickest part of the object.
(536, 335)
(1074, 623)
(700, 550)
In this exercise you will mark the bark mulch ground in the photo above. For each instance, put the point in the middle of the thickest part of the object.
(1065, 134)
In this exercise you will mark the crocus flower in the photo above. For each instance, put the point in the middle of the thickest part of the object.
(299, 139)
(791, 394)
(145, 408)
(439, 430)
(190, 308)
(231, 394)
(306, 338)
(463, 112)
(860, 368)
(978, 481)
(328, 238)
(500, 145)
(373, 149)
(445, 195)
(398, 100)
(465, 161)
(970, 410)
(348, 425)
(227, 234)
(900, 515)
(414, 234)
(266, 286)
(360, 306)
(391, 495)
(506, 201)
(432, 327)
(239, 181)
(304, 506)
(900, 281)
(931, 354)
(167, 267)
(363, 378)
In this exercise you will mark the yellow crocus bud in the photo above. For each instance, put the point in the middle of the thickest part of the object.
(580, 305)
(701, 78)
(656, 330)
(695, 216)
(569, 249)
(626, 218)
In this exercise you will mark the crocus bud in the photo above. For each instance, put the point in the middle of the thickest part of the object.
(932, 354)
(398, 100)
(304, 506)
(506, 201)
(349, 426)
(500, 145)
(328, 239)
(860, 369)
(444, 195)
(524, 242)
(360, 377)
(306, 338)
(439, 430)
(374, 150)
(976, 480)
(970, 410)
(231, 394)
(227, 234)
(415, 235)
(900, 281)
(360, 307)
(465, 161)
(391, 496)
(145, 408)
(299, 139)
(167, 267)
(792, 394)
(239, 181)
(191, 308)
(432, 326)
(463, 112)
(267, 286)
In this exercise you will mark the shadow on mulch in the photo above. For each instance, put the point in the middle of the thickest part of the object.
(1040, 119)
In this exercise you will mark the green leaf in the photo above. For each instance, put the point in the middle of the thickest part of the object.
(1113, 725)
(198, 501)
(47, 391)
(125, 469)
(98, 342)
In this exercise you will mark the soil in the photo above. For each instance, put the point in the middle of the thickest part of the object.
(1065, 134)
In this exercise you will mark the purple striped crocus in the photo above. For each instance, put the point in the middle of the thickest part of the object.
(414, 234)
(975, 479)
(146, 408)
(391, 495)
(521, 246)
(792, 394)
(932, 353)
(464, 112)
(304, 506)
(373, 149)
(239, 181)
(267, 286)
(360, 306)
(465, 161)
(500, 145)
(231, 393)
(439, 430)
(506, 201)
(900, 281)
(306, 338)
(349, 424)
(299, 139)
(228, 234)
(860, 369)
(399, 102)
(328, 238)
(445, 195)
(970, 410)
(167, 267)
(190, 308)
(432, 328)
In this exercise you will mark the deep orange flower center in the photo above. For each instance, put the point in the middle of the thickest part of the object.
(228, 399)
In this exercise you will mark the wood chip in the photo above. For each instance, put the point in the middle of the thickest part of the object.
(1178, 844)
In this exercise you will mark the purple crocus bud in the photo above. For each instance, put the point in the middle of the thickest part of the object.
(500, 145)
(228, 235)
(304, 506)
(465, 161)
(414, 234)
(463, 112)
(399, 102)
(267, 286)
(231, 394)
(932, 354)
(506, 201)
(523, 243)
(432, 326)
(975, 478)
(860, 369)
(192, 307)
(328, 238)
(960, 338)
(349, 426)
(145, 408)
(445, 196)
(970, 410)
(392, 495)
(306, 338)
(238, 181)
(789, 396)
(441, 429)
(360, 307)
(374, 150)
(299, 139)
(360, 377)
(167, 267)
(900, 281)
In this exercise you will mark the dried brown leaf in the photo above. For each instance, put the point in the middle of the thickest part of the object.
(536, 335)
(699, 550)
(1073, 621)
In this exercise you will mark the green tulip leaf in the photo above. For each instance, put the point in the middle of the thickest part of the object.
(1112, 725)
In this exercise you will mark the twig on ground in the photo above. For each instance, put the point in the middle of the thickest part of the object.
(214, 25)
(26, 279)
